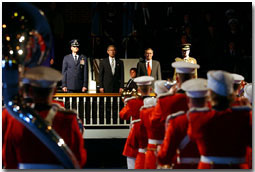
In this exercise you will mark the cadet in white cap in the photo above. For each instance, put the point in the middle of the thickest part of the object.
(132, 109)
(184, 72)
(173, 101)
(248, 92)
(237, 82)
(21, 144)
(176, 139)
(222, 133)
(221, 88)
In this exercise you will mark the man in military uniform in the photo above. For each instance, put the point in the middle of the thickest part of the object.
(223, 133)
(171, 102)
(186, 58)
(149, 153)
(75, 70)
(21, 149)
(177, 151)
(132, 109)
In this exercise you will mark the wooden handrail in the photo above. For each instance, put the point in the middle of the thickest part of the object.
(90, 94)
(87, 95)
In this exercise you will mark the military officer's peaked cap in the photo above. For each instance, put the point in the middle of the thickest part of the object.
(237, 78)
(42, 76)
(184, 67)
(75, 43)
(160, 86)
(144, 80)
(186, 46)
(220, 82)
(195, 88)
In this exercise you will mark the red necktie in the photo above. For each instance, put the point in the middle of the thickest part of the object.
(149, 69)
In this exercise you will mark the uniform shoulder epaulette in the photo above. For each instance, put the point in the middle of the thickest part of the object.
(68, 111)
(135, 121)
(178, 59)
(164, 95)
(128, 99)
(172, 116)
(58, 106)
(149, 106)
(241, 108)
(195, 109)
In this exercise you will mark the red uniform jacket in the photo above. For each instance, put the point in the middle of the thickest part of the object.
(176, 139)
(166, 105)
(150, 157)
(21, 146)
(221, 134)
(131, 109)
(139, 142)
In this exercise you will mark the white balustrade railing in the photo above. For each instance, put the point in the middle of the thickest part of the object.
(94, 109)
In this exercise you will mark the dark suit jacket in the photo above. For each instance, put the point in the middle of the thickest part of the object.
(111, 83)
(75, 75)
(156, 71)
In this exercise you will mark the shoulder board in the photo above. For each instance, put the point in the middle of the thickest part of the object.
(135, 121)
(130, 98)
(145, 107)
(172, 116)
(68, 111)
(241, 108)
(164, 95)
(58, 106)
(203, 109)
(178, 59)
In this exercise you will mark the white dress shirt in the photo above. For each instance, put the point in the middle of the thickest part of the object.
(150, 63)
(114, 64)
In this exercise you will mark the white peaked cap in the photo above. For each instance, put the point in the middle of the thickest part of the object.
(159, 86)
(184, 67)
(195, 88)
(149, 102)
(248, 92)
(144, 80)
(237, 78)
(220, 82)
(42, 76)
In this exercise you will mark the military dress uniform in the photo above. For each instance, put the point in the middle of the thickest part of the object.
(221, 137)
(22, 149)
(177, 150)
(141, 133)
(185, 47)
(223, 133)
(145, 113)
(132, 109)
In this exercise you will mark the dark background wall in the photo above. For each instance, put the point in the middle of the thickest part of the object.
(211, 28)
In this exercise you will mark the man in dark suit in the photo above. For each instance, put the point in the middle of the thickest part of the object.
(75, 71)
(111, 73)
(148, 66)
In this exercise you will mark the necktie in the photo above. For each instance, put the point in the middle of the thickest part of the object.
(148, 69)
(112, 64)
(76, 58)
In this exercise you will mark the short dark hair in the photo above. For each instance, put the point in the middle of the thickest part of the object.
(144, 88)
(111, 46)
(185, 76)
(134, 69)
(148, 49)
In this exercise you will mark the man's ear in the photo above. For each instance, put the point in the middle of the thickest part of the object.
(177, 78)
